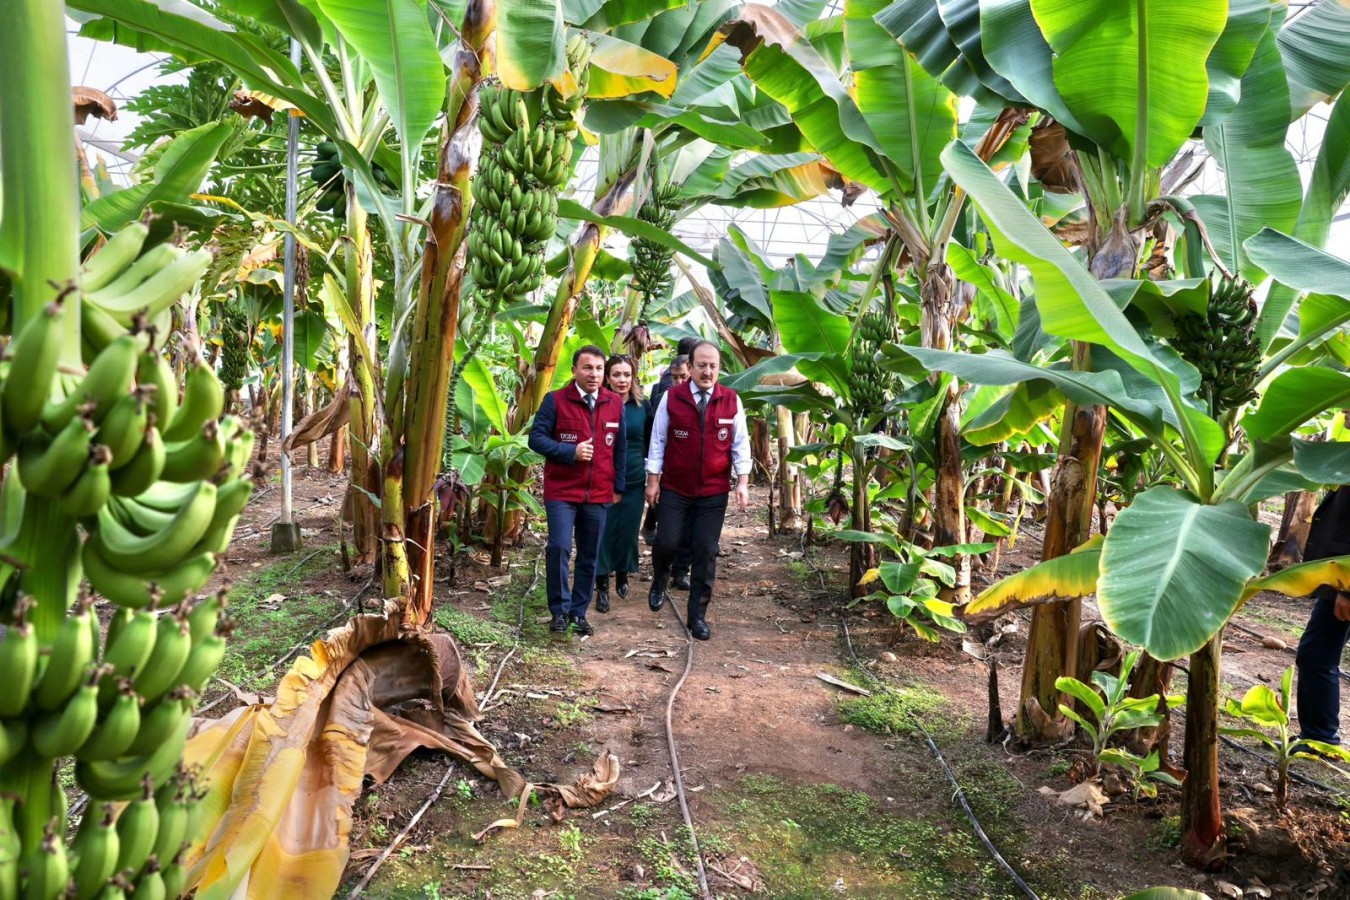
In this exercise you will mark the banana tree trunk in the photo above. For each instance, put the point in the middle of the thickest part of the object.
(939, 312)
(1299, 507)
(1052, 645)
(1151, 677)
(761, 446)
(365, 477)
(1202, 837)
(789, 487)
(337, 445)
(861, 556)
(437, 318)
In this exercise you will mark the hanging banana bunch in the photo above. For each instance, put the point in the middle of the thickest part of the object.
(526, 159)
(651, 261)
(235, 342)
(1223, 346)
(156, 480)
(870, 385)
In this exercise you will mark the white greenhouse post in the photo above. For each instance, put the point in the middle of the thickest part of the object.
(286, 533)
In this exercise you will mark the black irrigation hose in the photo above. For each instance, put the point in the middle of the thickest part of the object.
(946, 770)
(675, 757)
(1301, 779)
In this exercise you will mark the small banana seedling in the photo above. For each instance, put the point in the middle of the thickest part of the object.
(911, 584)
(1114, 711)
(1269, 713)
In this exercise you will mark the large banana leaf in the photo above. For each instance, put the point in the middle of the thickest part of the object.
(1062, 578)
(1085, 388)
(1264, 188)
(1327, 190)
(633, 227)
(920, 27)
(1133, 71)
(806, 327)
(1248, 22)
(1014, 414)
(771, 180)
(179, 171)
(1323, 462)
(787, 68)
(291, 17)
(1294, 397)
(1299, 265)
(622, 69)
(607, 14)
(1316, 50)
(1304, 578)
(530, 46)
(912, 115)
(1072, 303)
(201, 38)
(394, 38)
(1016, 48)
(1173, 570)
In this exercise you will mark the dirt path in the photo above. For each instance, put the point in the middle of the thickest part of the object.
(797, 790)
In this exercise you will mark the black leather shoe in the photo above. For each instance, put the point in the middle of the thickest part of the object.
(581, 626)
(559, 624)
(656, 599)
(602, 600)
(621, 585)
(700, 630)
(681, 581)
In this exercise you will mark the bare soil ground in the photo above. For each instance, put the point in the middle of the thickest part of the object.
(797, 789)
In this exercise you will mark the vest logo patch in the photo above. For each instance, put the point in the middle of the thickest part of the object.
(679, 433)
(726, 421)
(568, 437)
(609, 440)
(722, 434)
(611, 424)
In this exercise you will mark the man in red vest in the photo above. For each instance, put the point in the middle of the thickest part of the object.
(699, 444)
(580, 433)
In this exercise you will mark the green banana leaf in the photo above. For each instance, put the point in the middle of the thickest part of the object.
(912, 115)
(486, 396)
(783, 65)
(1325, 462)
(1133, 71)
(613, 13)
(633, 227)
(395, 39)
(180, 171)
(1264, 188)
(805, 326)
(740, 285)
(530, 43)
(1314, 46)
(921, 27)
(1173, 570)
(1062, 578)
(988, 282)
(1294, 397)
(1327, 190)
(1248, 22)
(292, 17)
(1015, 413)
(1017, 50)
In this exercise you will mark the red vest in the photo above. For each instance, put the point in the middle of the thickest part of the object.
(698, 455)
(580, 482)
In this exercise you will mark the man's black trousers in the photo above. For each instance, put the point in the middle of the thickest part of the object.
(695, 523)
(681, 563)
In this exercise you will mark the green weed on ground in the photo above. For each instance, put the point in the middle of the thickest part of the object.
(264, 632)
(897, 710)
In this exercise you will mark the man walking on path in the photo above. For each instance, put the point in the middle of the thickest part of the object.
(676, 374)
(1323, 641)
(579, 432)
(699, 443)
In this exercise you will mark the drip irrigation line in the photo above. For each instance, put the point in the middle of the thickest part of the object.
(675, 757)
(1295, 776)
(398, 839)
(960, 794)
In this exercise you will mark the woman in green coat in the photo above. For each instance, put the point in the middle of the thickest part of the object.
(619, 546)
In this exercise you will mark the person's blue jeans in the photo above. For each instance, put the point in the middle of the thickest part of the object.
(584, 522)
(1319, 670)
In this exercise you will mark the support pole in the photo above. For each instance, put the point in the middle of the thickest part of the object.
(286, 533)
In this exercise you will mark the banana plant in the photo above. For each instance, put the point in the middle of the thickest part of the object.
(1200, 534)
(1107, 98)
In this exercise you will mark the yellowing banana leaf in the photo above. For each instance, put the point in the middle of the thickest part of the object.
(1062, 578)
(621, 69)
(1304, 578)
(282, 779)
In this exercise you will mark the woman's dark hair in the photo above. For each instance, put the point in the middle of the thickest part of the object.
(634, 387)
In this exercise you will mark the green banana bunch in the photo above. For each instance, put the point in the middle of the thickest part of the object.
(526, 160)
(870, 386)
(155, 479)
(1222, 345)
(327, 173)
(651, 261)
